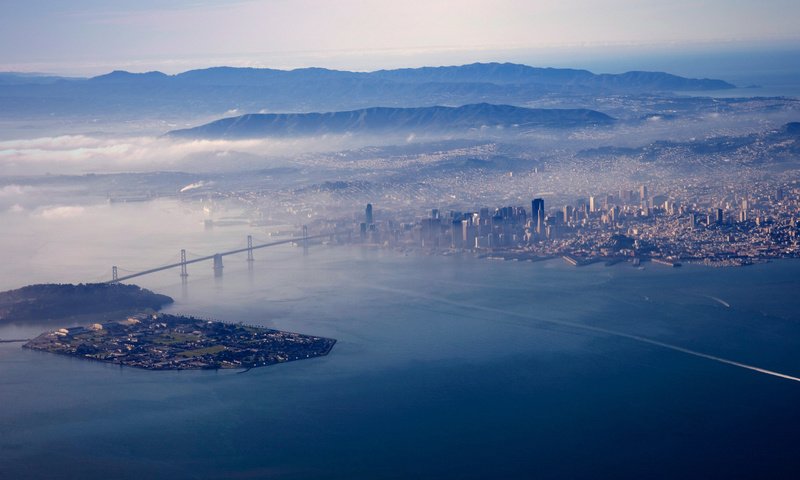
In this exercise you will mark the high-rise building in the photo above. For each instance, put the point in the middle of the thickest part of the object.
(537, 205)
(368, 216)
(581, 206)
(467, 233)
(593, 206)
(457, 239)
(743, 211)
(521, 215)
(537, 214)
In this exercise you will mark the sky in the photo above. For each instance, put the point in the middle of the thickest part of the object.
(86, 37)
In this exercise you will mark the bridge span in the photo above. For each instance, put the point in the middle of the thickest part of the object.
(217, 257)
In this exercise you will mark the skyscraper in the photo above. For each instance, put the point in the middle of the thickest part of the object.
(368, 216)
(537, 214)
(568, 213)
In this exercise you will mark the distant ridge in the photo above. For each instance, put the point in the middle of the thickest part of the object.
(488, 73)
(209, 92)
(121, 76)
(15, 78)
(512, 73)
(394, 120)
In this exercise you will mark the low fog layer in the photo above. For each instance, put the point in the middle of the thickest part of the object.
(77, 170)
(111, 152)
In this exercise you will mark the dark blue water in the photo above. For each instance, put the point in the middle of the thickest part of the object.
(445, 368)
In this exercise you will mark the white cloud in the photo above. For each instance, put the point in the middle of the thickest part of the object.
(70, 154)
(14, 190)
(61, 212)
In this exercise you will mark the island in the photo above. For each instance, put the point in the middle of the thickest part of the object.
(172, 342)
(78, 304)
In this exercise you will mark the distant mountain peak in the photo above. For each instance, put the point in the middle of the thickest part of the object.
(125, 76)
(209, 91)
(379, 120)
(488, 73)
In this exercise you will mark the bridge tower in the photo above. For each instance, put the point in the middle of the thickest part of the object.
(250, 249)
(114, 274)
(305, 239)
(217, 265)
(184, 273)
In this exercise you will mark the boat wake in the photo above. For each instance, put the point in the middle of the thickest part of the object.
(590, 328)
(719, 300)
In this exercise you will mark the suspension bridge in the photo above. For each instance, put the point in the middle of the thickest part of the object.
(216, 258)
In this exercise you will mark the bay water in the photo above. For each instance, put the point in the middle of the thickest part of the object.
(444, 367)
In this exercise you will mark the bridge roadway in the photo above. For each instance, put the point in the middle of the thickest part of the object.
(211, 257)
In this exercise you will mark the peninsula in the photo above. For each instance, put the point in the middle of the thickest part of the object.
(77, 304)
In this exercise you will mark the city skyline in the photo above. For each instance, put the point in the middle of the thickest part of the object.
(489, 241)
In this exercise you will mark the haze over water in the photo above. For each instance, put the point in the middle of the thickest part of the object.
(445, 367)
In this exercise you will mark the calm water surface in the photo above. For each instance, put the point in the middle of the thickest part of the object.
(445, 368)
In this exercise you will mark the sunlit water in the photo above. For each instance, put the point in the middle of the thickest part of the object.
(445, 367)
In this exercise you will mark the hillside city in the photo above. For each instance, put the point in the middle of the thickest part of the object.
(693, 203)
(716, 230)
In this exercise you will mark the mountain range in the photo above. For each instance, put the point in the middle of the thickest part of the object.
(215, 90)
(377, 120)
(476, 73)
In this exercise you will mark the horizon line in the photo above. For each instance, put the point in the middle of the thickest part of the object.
(366, 61)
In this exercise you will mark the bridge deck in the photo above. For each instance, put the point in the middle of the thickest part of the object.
(210, 257)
